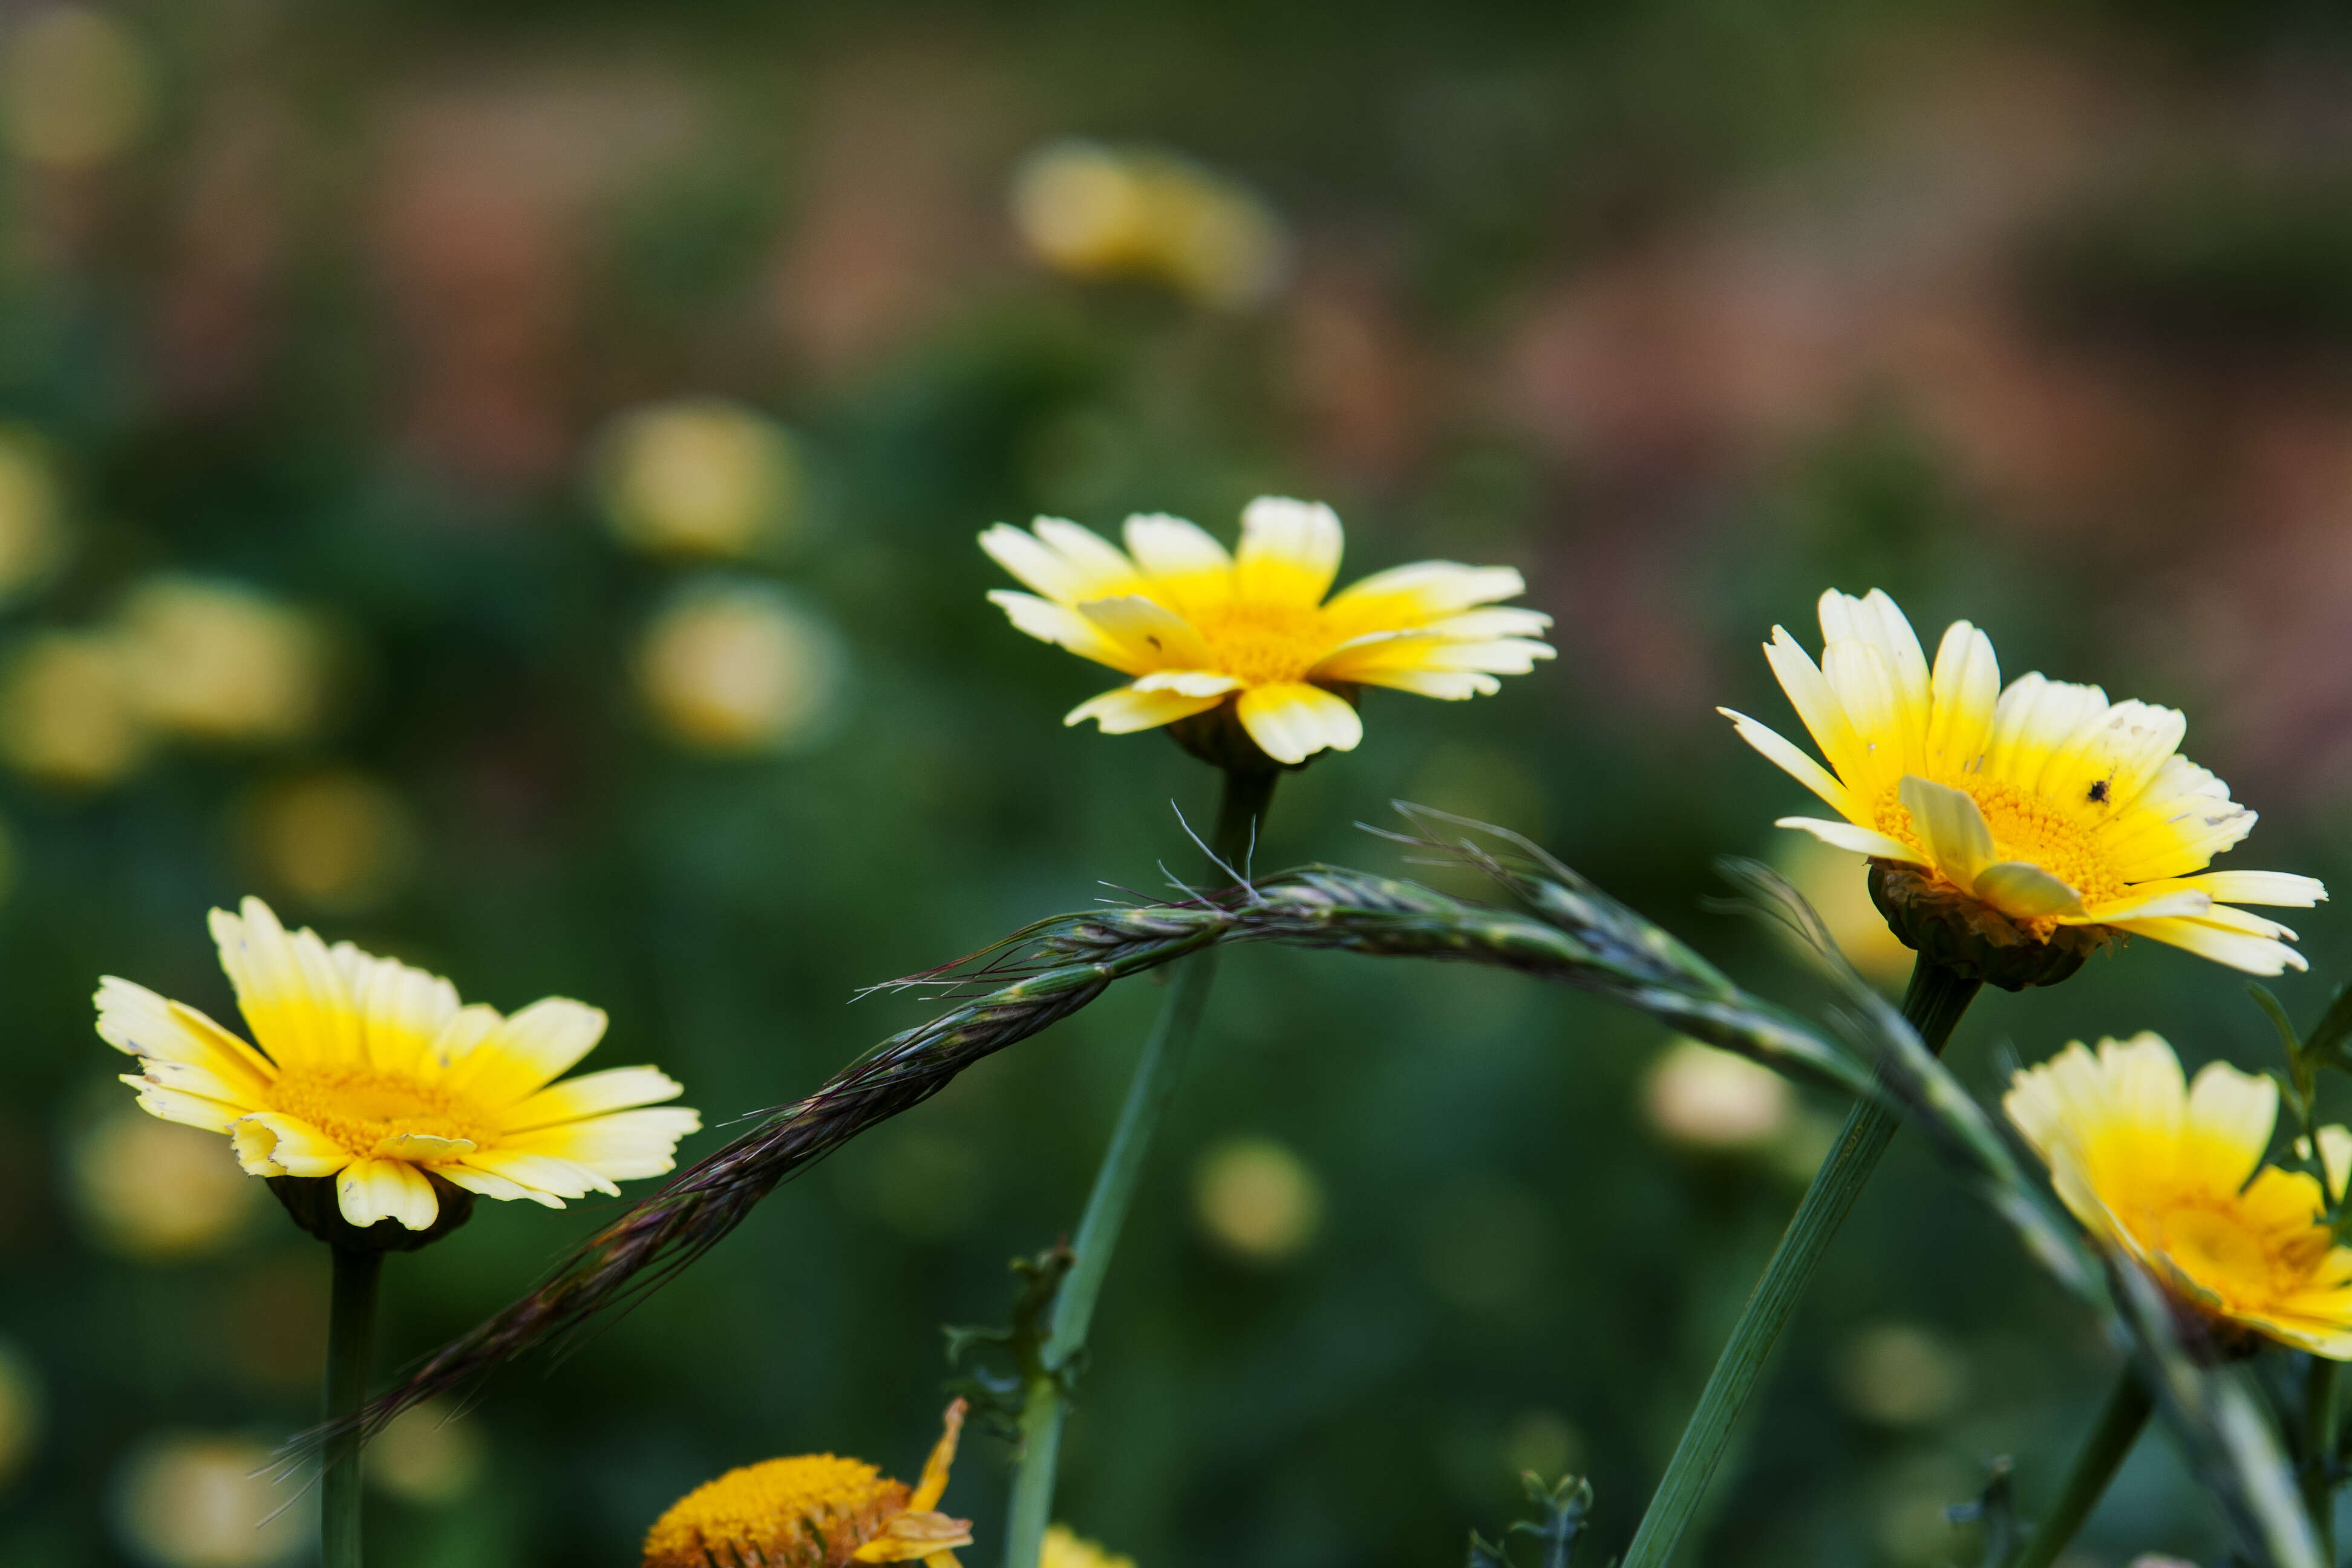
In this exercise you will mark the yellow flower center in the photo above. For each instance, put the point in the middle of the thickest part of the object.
(361, 1107)
(1265, 645)
(2025, 826)
(804, 1513)
(2246, 1261)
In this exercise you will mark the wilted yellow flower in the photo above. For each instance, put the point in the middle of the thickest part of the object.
(2172, 1172)
(370, 1072)
(32, 513)
(2043, 803)
(1709, 1098)
(338, 840)
(1257, 1198)
(221, 661)
(196, 1499)
(1064, 1550)
(1112, 212)
(814, 1511)
(151, 1189)
(75, 87)
(739, 666)
(701, 477)
(66, 716)
(1200, 629)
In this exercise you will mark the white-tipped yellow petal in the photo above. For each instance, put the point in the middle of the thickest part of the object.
(495, 1187)
(1960, 842)
(137, 1021)
(2105, 765)
(1172, 548)
(1866, 691)
(2026, 892)
(1853, 836)
(2252, 954)
(424, 1148)
(1445, 685)
(626, 1146)
(1066, 627)
(1423, 592)
(2237, 1110)
(542, 1173)
(272, 1144)
(1289, 552)
(1291, 723)
(528, 1051)
(402, 1010)
(1036, 566)
(371, 1190)
(1098, 568)
(591, 1094)
(1123, 710)
(1824, 716)
(1964, 689)
(1189, 682)
(2335, 1157)
(2144, 905)
(1794, 761)
(178, 1105)
(1151, 635)
(2279, 888)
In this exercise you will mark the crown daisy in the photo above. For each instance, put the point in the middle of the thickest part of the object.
(815, 1511)
(1064, 1549)
(2172, 1171)
(2014, 828)
(1251, 635)
(371, 1073)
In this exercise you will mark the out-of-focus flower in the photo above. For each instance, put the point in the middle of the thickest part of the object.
(1483, 1245)
(374, 1076)
(701, 477)
(32, 513)
(2015, 828)
(1836, 882)
(21, 1413)
(154, 1190)
(1065, 1550)
(1709, 1098)
(1257, 1199)
(731, 666)
(1100, 212)
(66, 716)
(1902, 1375)
(340, 841)
(2172, 1172)
(194, 1500)
(430, 1455)
(76, 88)
(2158, 1560)
(1216, 639)
(815, 1510)
(220, 661)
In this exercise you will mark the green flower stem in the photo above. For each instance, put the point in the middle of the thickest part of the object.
(1148, 1097)
(2318, 1474)
(1932, 1005)
(350, 1340)
(2103, 1453)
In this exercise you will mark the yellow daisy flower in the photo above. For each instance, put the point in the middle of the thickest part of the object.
(2043, 801)
(1201, 630)
(814, 1511)
(370, 1072)
(2172, 1172)
(1064, 1550)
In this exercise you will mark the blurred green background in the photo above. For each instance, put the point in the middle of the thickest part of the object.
(500, 481)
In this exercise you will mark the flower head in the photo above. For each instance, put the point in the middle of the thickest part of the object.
(2043, 803)
(815, 1511)
(2172, 1171)
(1251, 633)
(372, 1073)
(1064, 1550)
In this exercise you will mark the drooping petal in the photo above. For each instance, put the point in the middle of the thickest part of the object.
(371, 1190)
(1960, 844)
(2252, 955)
(546, 1173)
(1065, 628)
(272, 1144)
(1289, 552)
(1445, 685)
(496, 1187)
(621, 1146)
(1792, 761)
(1124, 710)
(178, 1105)
(1856, 837)
(1824, 716)
(2024, 891)
(1189, 682)
(1150, 635)
(2279, 888)
(1291, 722)
(138, 1021)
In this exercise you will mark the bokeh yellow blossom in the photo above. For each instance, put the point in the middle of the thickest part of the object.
(2171, 1173)
(370, 1072)
(157, 1190)
(203, 1499)
(67, 714)
(700, 477)
(1098, 212)
(2043, 801)
(23, 1412)
(1257, 1199)
(1066, 1550)
(1252, 631)
(217, 660)
(1706, 1099)
(815, 1511)
(739, 666)
(77, 88)
(336, 840)
(33, 537)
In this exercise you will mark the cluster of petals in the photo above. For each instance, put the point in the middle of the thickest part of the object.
(2043, 800)
(2172, 1172)
(1198, 626)
(372, 1072)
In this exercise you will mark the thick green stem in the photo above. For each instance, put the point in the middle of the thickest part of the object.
(1148, 1093)
(350, 1340)
(1932, 1006)
(2103, 1453)
(2318, 1472)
